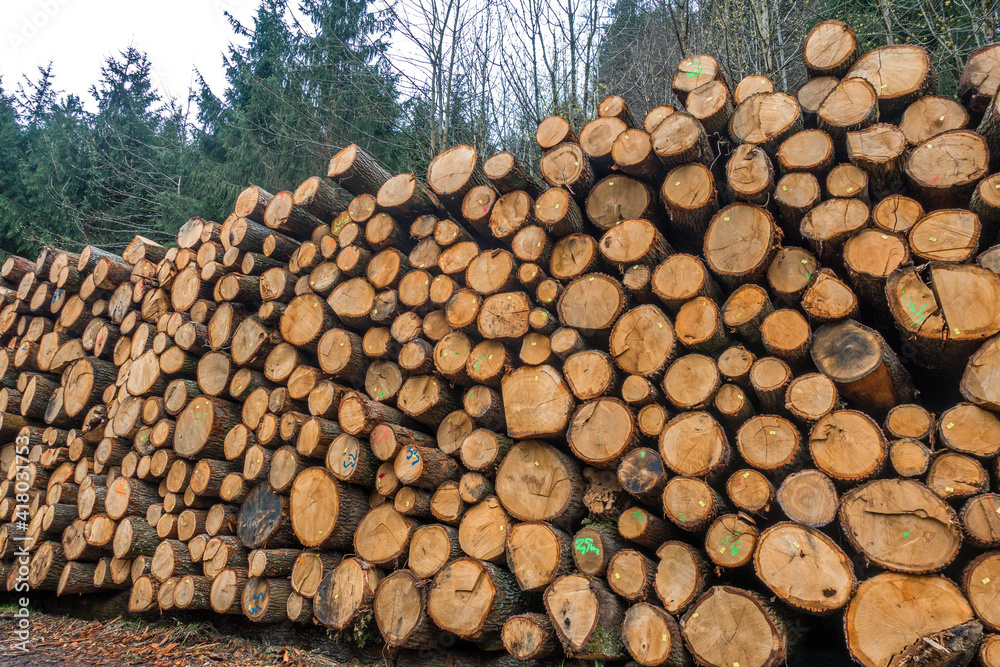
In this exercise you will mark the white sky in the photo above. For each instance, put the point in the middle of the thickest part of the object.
(77, 35)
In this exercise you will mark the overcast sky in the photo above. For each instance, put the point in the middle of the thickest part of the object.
(77, 35)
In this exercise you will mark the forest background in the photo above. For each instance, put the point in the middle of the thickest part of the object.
(404, 81)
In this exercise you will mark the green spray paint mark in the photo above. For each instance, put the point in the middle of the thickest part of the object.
(480, 362)
(585, 545)
(694, 73)
(918, 315)
(733, 542)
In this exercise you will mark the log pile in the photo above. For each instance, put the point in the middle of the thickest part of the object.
(720, 373)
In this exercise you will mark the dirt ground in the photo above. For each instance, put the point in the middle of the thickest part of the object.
(61, 641)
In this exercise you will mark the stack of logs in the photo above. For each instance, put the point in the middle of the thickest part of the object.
(729, 369)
